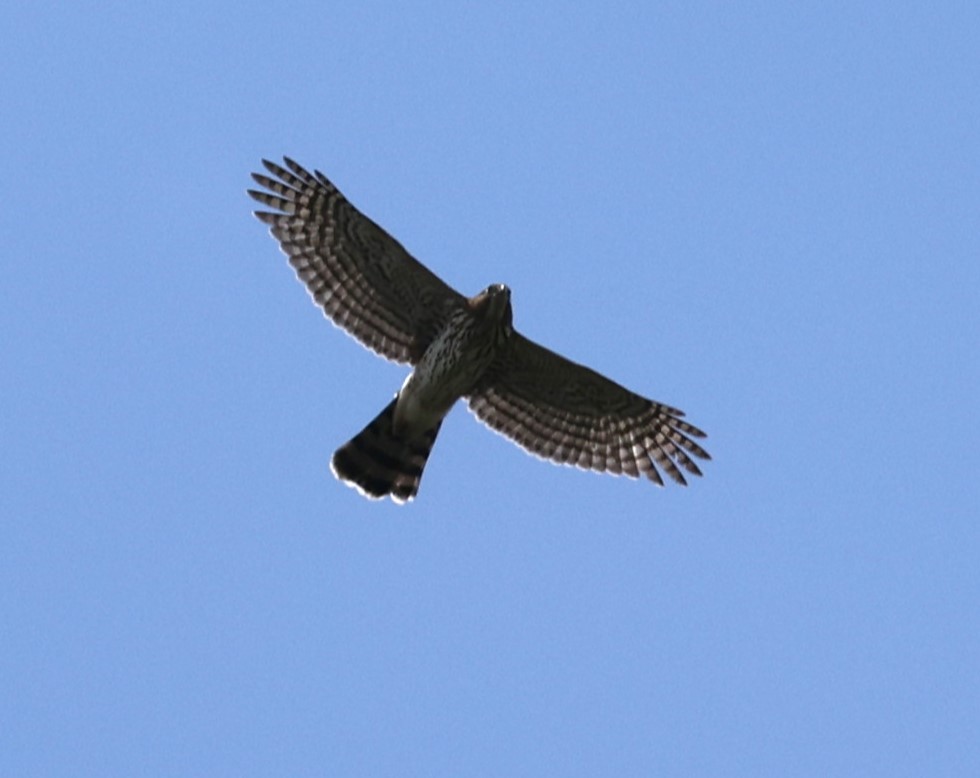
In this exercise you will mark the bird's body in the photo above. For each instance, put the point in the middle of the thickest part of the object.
(458, 356)
(369, 285)
(389, 455)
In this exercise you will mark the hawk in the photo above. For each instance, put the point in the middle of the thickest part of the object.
(459, 347)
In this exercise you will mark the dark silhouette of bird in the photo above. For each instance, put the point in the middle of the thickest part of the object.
(459, 347)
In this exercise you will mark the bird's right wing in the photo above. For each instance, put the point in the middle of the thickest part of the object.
(565, 412)
(362, 278)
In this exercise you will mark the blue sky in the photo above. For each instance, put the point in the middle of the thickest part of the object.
(766, 215)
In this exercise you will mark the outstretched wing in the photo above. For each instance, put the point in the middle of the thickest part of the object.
(364, 280)
(570, 414)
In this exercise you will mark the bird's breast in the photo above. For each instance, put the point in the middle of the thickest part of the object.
(449, 369)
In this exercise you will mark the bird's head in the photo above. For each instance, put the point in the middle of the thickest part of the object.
(493, 304)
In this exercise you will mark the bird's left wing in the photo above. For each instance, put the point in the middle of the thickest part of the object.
(565, 412)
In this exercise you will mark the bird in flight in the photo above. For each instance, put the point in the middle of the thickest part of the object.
(458, 347)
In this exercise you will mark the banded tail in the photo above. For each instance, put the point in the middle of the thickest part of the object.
(379, 462)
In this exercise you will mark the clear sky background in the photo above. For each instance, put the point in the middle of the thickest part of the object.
(766, 214)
